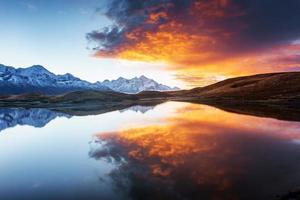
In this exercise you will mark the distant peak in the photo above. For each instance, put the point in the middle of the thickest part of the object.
(36, 68)
(121, 78)
(3, 66)
(143, 77)
(68, 75)
(39, 67)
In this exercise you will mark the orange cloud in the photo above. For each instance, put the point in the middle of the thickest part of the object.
(204, 38)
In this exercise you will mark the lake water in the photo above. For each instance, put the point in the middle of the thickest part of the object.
(170, 151)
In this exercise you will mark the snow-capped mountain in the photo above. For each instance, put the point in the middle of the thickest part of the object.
(38, 79)
(135, 85)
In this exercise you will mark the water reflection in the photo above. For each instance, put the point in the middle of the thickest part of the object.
(171, 151)
(40, 117)
(139, 108)
(204, 153)
(36, 117)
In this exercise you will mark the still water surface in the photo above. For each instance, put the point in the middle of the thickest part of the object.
(171, 151)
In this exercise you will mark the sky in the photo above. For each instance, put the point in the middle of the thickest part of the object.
(186, 43)
(53, 34)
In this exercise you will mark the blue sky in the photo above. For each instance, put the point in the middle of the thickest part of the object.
(52, 33)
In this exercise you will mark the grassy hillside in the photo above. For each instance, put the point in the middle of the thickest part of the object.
(272, 87)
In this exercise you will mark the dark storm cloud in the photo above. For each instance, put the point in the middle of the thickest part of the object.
(270, 21)
(107, 37)
(202, 34)
(129, 15)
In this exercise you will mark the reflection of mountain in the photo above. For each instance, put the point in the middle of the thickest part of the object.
(10, 117)
(39, 117)
(138, 108)
(194, 156)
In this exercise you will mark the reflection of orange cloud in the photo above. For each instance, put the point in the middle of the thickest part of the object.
(212, 147)
(197, 129)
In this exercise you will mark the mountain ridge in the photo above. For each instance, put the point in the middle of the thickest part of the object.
(37, 79)
(136, 85)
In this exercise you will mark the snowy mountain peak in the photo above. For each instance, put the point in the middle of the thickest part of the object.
(69, 76)
(36, 69)
(136, 85)
(144, 78)
(2, 67)
(121, 79)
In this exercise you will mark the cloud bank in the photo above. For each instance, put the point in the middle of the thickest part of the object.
(228, 37)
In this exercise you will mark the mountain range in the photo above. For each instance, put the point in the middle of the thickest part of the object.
(136, 85)
(37, 79)
(275, 95)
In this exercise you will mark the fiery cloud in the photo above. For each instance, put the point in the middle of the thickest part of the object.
(205, 37)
